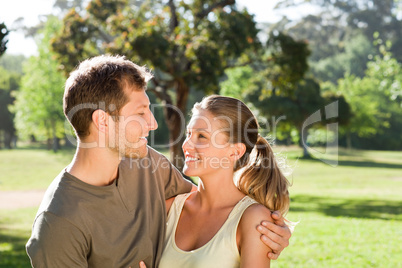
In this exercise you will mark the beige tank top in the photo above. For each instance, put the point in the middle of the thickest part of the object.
(220, 251)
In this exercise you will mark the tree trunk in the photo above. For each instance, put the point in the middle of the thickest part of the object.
(303, 141)
(7, 139)
(288, 140)
(56, 140)
(49, 137)
(1, 138)
(56, 144)
(175, 118)
(348, 140)
(14, 141)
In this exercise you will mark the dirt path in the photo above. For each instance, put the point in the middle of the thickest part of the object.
(20, 199)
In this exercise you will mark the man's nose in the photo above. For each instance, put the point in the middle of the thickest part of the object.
(152, 124)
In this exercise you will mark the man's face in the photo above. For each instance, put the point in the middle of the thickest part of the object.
(133, 125)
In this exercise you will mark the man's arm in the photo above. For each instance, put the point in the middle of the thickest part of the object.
(56, 243)
(175, 184)
(275, 235)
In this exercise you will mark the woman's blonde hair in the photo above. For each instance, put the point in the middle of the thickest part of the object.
(260, 178)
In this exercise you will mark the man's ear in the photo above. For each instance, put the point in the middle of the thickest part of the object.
(238, 150)
(99, 118)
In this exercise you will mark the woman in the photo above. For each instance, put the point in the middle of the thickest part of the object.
(215, 226)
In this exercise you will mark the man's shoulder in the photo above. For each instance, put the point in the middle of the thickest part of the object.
(154, 153)
(60, 196)
(52, 191)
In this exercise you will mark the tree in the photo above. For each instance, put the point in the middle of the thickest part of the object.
(278, 87)
(305, 100)
(366, 117)
(375, 99)
(38, 104)
(187, 44)
(386, 71)
(238, 83)
(353, 60)
(3, 41)
(9, 83)
(64, 5)
(337, 27)
(12, 63)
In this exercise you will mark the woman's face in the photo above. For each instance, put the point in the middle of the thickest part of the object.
(206, 148)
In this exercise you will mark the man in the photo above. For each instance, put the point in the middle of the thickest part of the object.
(107, 208)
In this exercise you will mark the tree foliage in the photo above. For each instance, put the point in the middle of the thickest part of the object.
(3, 41)
(38, 104)
(187, 44)
(9, 83)
(305, 100)
(375, 100)
(278, 88)
(289, 62)
(12, 63)
(336, 29)
(353, 60)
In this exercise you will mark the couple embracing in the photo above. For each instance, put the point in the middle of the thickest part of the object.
(110, 209)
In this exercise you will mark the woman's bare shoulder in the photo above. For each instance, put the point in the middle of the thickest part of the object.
(257, 212)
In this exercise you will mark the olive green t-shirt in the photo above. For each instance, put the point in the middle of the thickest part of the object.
(81, 225)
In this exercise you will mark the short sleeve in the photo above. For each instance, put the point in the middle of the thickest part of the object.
(175, 184)
(55, 242)
(168, 175)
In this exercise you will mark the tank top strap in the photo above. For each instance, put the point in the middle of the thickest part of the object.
(178, 203)
(241, 206)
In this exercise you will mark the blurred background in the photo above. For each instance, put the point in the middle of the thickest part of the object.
(289, 60)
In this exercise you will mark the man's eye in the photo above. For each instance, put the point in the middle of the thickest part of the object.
(201, 136)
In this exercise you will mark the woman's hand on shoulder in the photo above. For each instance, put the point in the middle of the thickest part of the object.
(253, 252)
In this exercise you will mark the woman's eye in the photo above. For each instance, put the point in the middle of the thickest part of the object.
(201, 136)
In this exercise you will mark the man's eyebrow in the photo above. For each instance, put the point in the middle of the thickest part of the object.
(143, 105)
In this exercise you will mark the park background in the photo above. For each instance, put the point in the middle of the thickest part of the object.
(347, 180)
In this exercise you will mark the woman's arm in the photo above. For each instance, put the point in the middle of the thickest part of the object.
(253, 252)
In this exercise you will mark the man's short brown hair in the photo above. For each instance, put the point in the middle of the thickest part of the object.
(99, 83)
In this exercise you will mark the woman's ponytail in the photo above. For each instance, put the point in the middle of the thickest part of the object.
(263, 180)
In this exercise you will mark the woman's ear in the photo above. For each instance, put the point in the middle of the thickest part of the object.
(238, 150)
(99, 118)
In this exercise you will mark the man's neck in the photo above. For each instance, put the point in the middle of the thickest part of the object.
(95, 166)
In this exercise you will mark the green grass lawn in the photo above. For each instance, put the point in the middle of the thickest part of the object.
(29, 169)
(15, 229)
(349, 215)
